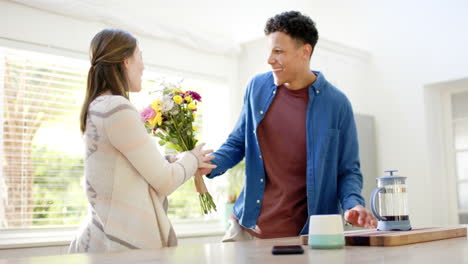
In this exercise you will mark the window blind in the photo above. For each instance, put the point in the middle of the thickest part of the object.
(42, 166)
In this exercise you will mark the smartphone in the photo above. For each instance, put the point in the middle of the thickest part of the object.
(292, 249)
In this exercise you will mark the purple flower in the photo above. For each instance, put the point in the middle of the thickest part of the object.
(195, 96)
(147, 113)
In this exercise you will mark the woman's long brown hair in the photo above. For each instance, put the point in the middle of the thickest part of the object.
(108, 50)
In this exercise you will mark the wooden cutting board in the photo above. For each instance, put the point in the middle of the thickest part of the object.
(372, 237)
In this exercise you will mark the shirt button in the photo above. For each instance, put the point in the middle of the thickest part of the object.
(261, 180)
(258, 201)
(254, 131)
(260, 156)
(261, 112)
(317, 92)
(274, 91)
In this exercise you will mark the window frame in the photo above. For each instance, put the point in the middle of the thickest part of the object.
(448, 124)
(62, 236)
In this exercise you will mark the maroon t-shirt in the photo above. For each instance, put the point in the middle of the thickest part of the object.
(282, 139)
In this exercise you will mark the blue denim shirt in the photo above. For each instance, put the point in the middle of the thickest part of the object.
(333, 170)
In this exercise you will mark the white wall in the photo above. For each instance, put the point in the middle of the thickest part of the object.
(411, 44)
(414, 43)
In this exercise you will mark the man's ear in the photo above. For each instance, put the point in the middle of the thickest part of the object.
(307, 50)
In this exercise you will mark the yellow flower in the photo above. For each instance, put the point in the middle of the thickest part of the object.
(192, 106)
(177, 99)
(194, 128)
(157, 119)
(176, 91)
(194, 115)
(188, 99)
(152, 121)
(155, 105)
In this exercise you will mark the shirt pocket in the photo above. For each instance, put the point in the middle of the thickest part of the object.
(331, 146)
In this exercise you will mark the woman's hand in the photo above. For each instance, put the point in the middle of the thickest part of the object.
(171, 158)
(203, 159)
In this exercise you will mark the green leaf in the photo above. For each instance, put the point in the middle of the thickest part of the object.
(174, 147)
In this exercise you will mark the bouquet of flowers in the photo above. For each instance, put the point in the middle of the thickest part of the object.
(171, 119)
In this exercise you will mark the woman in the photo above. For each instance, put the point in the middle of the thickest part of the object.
(127, 179)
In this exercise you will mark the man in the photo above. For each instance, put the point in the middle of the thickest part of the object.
(298, 136)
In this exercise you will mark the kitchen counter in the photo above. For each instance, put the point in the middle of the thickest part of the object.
(259, 251)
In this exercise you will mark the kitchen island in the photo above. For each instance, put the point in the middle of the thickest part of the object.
(448, 251)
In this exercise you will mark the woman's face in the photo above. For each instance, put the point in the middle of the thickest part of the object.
(134, 68)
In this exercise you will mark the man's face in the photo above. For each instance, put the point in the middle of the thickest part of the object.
(287, 57)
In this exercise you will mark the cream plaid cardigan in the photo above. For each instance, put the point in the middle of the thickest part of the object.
(127, 181)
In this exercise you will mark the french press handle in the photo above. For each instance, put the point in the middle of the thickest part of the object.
(373, 206)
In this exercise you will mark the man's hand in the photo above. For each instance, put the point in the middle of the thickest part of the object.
(360, 216)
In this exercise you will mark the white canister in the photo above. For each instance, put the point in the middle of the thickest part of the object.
(326, 231)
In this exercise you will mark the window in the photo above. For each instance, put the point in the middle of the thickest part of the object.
(41, 145)
(460, 134)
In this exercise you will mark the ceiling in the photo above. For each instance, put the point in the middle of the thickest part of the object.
(210, 25)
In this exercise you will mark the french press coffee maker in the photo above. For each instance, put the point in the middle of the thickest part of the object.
(393, 203)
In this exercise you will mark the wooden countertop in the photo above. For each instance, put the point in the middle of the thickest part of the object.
(259, 251)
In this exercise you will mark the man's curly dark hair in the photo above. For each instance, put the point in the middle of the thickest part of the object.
(298, 26)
